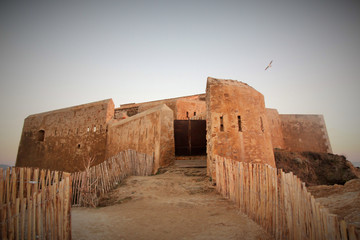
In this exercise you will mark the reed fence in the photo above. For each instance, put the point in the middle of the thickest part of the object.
(279, 202)
(35, 204)
(94, 182)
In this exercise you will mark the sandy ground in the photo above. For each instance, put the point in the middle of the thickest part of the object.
(177, 204)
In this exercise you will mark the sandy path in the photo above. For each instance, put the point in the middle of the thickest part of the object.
(178, 204)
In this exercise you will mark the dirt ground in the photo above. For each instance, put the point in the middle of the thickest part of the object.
(177, 204)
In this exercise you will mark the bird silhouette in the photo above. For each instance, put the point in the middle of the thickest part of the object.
(269, 65)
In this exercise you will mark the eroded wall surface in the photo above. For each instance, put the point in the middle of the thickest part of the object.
(274, 122)
(237, 126)
(305, 133)
(63, 139)
(150, 132)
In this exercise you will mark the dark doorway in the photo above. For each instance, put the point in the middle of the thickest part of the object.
(190, 137)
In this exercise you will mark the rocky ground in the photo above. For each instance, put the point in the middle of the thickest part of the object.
(179, 203)
(317, 168)
(342, 200)
(330, 178)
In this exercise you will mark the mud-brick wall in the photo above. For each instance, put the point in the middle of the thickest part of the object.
(150, 132)
(305, 133)
(237, 126)
(63, 139)
(189, 109)
(274, 122)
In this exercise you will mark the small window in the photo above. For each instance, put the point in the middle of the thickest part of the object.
(222, 123)
(88, 129)
(261, 124)
(55, 133)
(41, 135)
(239, 123)
(78, 146)
(194, 114)
(94, 128)
(187, 114)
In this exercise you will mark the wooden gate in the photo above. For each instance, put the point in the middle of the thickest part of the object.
(190, 137)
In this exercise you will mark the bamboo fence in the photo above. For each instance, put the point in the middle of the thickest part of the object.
(279, 202)
(35, 204)
(94, 182)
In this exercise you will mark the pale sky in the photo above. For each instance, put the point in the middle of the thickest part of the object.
(56, 54)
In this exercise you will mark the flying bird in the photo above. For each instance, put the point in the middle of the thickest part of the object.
(269, 65)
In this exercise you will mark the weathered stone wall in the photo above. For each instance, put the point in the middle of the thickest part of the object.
(187, 109)
(305, 133)
(237, 126)
(63, 139)
(274, 122)
(150, 132)
(198, 103)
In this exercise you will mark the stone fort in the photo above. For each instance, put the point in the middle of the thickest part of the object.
(229, 120)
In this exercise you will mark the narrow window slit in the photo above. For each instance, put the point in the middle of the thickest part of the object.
(239, 123)
(261, 124)
(221, 123)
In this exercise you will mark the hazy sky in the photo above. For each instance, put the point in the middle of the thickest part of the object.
(56, 54)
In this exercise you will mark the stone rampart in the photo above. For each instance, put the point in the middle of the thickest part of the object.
(274, 122)
(150, 132)
(63, 139)
(305, 133)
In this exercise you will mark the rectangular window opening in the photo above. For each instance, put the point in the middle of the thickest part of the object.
(41, 135)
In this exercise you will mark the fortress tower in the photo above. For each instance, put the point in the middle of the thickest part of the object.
(237, 126)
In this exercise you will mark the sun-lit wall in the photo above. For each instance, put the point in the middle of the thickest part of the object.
(237, 126)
